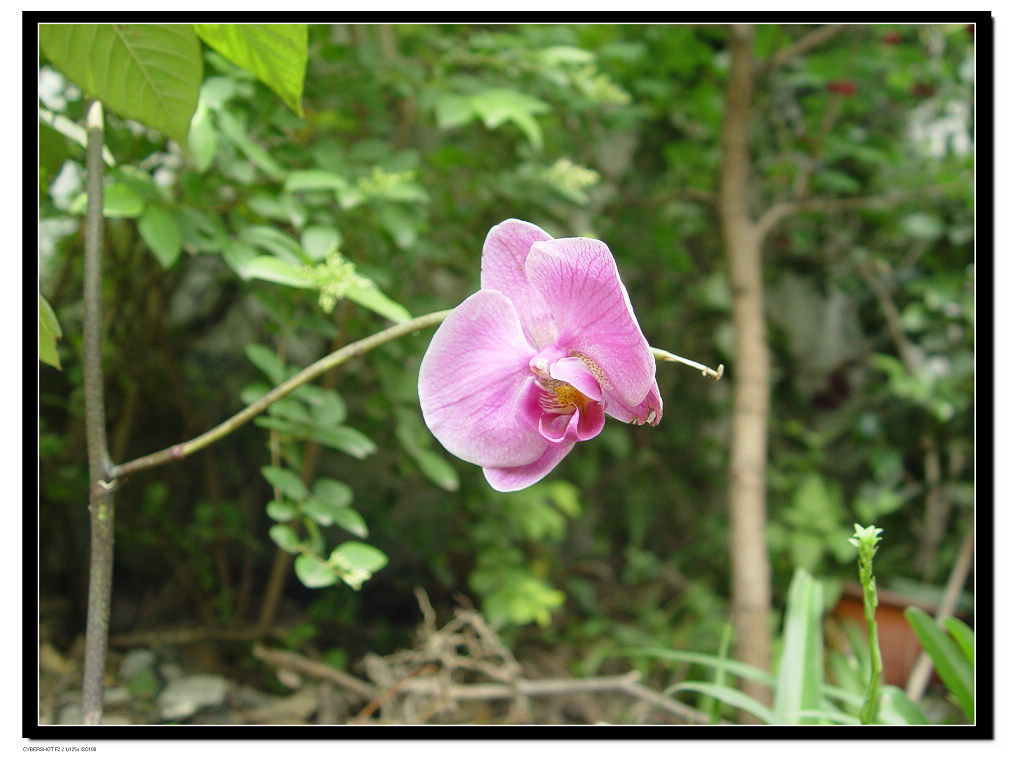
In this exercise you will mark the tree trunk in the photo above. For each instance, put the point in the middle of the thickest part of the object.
(751, 571)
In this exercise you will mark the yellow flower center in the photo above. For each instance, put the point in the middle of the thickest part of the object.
(561, 397)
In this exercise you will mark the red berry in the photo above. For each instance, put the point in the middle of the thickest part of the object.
(842, 87)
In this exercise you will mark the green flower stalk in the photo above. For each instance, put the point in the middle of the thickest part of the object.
(866, 539)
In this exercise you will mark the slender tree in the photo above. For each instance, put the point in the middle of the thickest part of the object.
(751, 569)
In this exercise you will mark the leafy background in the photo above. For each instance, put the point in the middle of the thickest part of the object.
(260, 219)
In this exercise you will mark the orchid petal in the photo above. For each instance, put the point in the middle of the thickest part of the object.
(648, 411)
(580, 425)
(472, 380)
(503, 269)
(515, 479)
(579, 281)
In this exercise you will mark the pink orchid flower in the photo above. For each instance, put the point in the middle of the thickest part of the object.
(531, 364)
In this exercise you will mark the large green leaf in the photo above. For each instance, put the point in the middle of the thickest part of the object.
(949, 660)
(275, 53)
(147, 72)
(799, 674)
(493, 107)
(497, 106)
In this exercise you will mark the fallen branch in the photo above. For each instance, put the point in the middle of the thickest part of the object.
(626, 684)
(295, 662)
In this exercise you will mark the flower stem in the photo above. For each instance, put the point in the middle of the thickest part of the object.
(665, 356)
(307, 374)
(866, 540)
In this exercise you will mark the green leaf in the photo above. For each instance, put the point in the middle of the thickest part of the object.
(344, 439)
(437, 469)
(963, 635)
(898, 708)
(453, 111)
(846, 674)
(737, 668)
(516, 596)
(285, 481)
(162, 235)
(238, 255)
(327, 514)
(416, 439)
(202, 230)
(366, 294)
(332, 491)
(291, 409)
(284, 537)
(202, 140)
(557, 55)
(147, 72)
(267, 362)
(359, 555)
(275, 53)
(730, 696)
(799, 681)
(497, 106)
(314, 179)
(49, 331)
(275, 270)
(274, 242)
(233, 129)
(326, 406)
(348, 440)
(950, 662)
(281, 511)
(320, 240)
(119, 201)
(314, 573)
(356, 562)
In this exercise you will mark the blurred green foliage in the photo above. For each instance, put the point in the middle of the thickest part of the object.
(287, 224)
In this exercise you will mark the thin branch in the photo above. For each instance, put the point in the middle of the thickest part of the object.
(100, 503)
(812, 39)
(784, 209)
(801, 183)
(693, 195)
(179, 451)
(891, 315)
